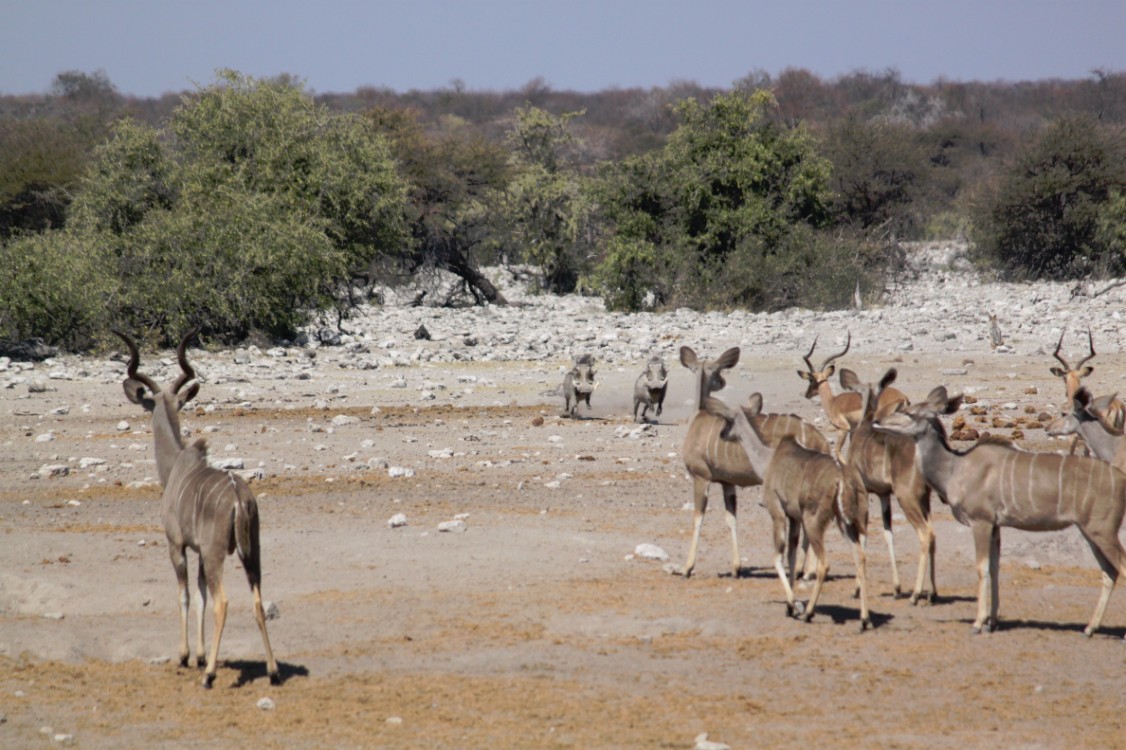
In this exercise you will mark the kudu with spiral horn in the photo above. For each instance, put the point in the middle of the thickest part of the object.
(207, 510)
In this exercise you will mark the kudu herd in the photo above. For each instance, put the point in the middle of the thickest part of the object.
(894, 447)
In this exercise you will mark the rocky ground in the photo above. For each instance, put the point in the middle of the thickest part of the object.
(453, 564)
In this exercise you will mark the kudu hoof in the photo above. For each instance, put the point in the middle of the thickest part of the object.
(797, 609)
(184, 661)
(207, 681)
(865, 624)
(275, 678)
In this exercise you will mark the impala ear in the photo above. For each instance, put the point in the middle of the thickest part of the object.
(688, 358)
(804, 375)
(1086, 371)
(1059, 373)
(135, 392)
(829, 371)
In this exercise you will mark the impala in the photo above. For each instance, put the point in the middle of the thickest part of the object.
(1115, 410)
(994, 484)
(207, 510)
(843, 410)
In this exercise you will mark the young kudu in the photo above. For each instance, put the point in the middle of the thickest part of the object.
(712, 455)
(1088, 420)
(1114, 410)
(886, 463)
(843, 410)
(207, 510)
(995, 484)
(803, 491)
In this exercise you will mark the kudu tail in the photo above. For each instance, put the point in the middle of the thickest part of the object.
(244, 531)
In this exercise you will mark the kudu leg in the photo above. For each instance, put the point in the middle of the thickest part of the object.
(987, 546)
(785, 544)
(700, 501)
(200, 617)
(889, 539)
(1112, 559)
(817, 543)
(260, 618)
(180, 565)
(219, 597)
(731, 508)
(921, 522)
(861, 560)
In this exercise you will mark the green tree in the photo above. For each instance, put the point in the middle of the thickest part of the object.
(455, 181)
(547, 209)
(721, 207)
(248, 212)
(879, 172)
(1043, 221)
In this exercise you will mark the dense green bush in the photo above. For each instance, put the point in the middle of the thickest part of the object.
(728, 214)
(247, 213)
(1043, 221)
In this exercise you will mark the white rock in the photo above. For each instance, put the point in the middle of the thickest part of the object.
(340, 420)
(651, 552)
(397, 521)
(266, 704)
(399, 471)
(456, 526)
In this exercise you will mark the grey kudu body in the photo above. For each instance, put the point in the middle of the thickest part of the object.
(995, 484)
(207, 510)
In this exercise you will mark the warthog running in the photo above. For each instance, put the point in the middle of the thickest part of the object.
(578, 384)
(649, 390)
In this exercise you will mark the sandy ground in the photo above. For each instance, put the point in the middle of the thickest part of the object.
(535, 627)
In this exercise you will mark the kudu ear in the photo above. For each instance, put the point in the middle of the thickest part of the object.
(688, 358)
(937, 398)
(953, 404)
(754, 405)
(135, 392)
(186, 394)
(1102, 403)
(729, 358)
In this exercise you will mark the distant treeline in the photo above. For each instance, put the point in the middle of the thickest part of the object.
(252, 204)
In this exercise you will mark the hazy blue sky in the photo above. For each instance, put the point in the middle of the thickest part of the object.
(148, 47)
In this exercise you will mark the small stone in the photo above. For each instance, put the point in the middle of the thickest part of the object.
(452, 527)
(397, 521)
(266, 704)
(651, 552)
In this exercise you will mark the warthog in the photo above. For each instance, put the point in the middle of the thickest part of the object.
(649, 390)
(578, 384)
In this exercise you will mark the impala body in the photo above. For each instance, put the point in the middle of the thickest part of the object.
(994, 484)
(578, 384)
(845, 409)
(649, 389)
(204, 509)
